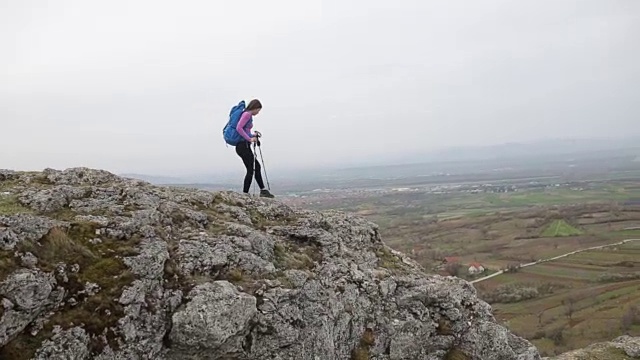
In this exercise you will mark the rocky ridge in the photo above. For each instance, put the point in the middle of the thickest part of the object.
(94, 266)
(621, 348)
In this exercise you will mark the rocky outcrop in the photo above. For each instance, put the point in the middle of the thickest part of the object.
(621, 348)
(26, 296)
(95, 266)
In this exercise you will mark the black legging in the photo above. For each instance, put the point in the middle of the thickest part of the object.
(244, 151)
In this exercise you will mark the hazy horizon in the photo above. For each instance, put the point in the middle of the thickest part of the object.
(545, 151)
(452, 154)
(146, 87)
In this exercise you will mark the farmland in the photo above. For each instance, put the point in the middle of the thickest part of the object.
(587, 299)
(561, 228)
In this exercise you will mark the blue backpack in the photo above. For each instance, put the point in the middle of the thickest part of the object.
(229, 132)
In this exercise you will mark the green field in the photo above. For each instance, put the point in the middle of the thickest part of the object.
(631, 234)
(560, 228)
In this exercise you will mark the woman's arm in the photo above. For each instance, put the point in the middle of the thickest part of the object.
(240, 127)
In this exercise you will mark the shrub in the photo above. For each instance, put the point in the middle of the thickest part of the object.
(512, 268)
(556, 335)
(510, 293)
(630, 317)
(453, 269)
(616, 277)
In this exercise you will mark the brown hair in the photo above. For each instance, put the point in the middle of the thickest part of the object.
(253, 104)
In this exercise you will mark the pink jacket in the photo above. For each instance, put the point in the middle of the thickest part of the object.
(245, 124)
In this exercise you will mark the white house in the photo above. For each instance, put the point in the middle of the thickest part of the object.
(475, 268)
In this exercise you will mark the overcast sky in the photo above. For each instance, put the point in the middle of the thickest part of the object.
(146, 86)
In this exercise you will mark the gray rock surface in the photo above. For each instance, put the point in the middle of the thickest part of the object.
(23, 227)
(622, 348)
(72, 344)
(215, 321)
(630, 345)
(148, 272)
(26, 294)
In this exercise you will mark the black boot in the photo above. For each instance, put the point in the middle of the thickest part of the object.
(266, 193)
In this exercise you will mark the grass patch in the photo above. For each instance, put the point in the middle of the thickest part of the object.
(366, 341)
(41, 179)
(281, 277)
(445, 327)
(388, 261)
(561, 228)
(9, 205)
(284, 281)
(456, 354)
(235, 275)
(57, 247)
(217, 220)
(219, 198)
(24, 346)
(261, 222)
(8, 264)
(7, 183)
(292, 256)
(100, 263)
(216, 227)
(64, 214)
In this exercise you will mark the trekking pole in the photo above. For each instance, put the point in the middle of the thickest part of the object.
(253, 183)
(264, 166)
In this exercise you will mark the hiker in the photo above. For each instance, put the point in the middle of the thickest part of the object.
(243, 144)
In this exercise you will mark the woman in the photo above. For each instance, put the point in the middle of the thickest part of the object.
(243, 149)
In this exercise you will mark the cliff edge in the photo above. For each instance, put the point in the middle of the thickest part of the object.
(95, 266)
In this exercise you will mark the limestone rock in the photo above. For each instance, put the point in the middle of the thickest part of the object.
(8, 239)
(630, 345)
(623, 347)
(213, 324)
(72, 344)
(149, 264)
(24, 227)
(29, 260)
(26, 295)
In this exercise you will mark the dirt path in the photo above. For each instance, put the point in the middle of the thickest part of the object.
(555, 258)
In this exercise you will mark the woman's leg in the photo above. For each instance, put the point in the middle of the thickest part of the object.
(263, 192)
(259, 174)
(244, 151)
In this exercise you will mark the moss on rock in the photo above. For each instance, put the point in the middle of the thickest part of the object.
(98, 263)
(8, 264)
(456, 354)
(293, 256)
(361, 352)
(24, 346)
(388, 260)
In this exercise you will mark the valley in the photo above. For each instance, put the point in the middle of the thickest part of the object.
(474, 228)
